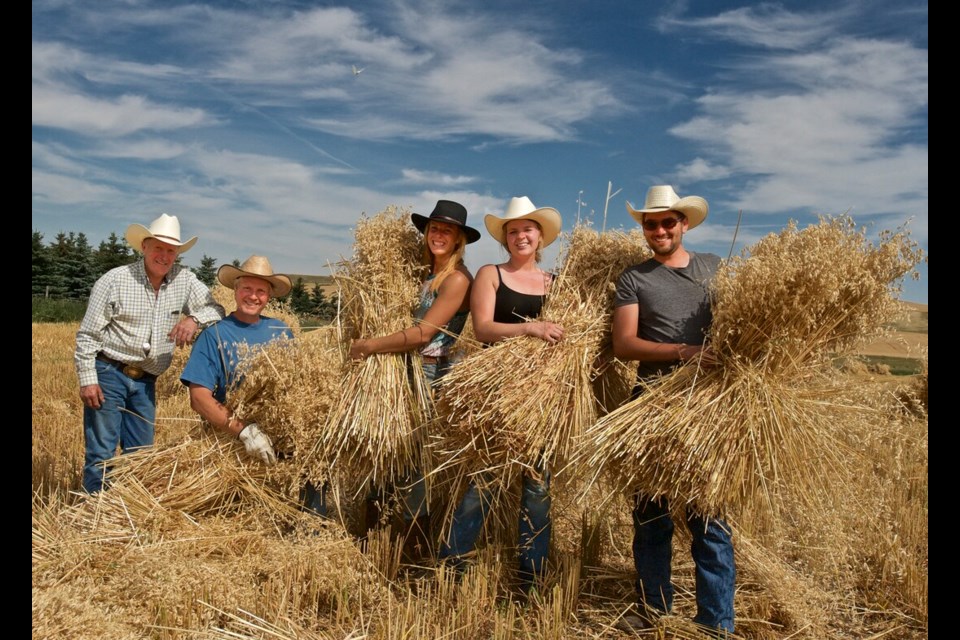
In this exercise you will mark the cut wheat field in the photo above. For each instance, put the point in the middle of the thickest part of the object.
(194, 541)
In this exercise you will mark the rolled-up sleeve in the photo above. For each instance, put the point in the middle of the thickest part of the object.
(200, 303)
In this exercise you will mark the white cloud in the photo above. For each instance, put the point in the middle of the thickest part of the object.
(415, 176)
(155, 149)
(699, 169)
(765, 24)
(830, 130)
(116, 117)
(60, 189)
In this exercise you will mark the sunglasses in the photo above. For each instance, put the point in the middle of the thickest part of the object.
(666, 223)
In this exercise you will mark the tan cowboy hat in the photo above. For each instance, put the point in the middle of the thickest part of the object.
(256, 267)
(165, 229)
(522, 209)
(663, 198)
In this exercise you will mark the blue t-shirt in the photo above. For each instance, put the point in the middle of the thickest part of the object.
(213, 360)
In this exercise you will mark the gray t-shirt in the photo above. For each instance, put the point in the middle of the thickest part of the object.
(674, 303)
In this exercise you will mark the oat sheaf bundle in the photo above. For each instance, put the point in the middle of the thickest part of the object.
(520, 403)
(377, 427)
(289, 387)
(769, 415)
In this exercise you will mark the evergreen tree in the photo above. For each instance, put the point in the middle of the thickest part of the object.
(207, 270)
(299, 298)
(42, 266)
(321, 304)
(73, 265)
(318, 300)
(112, 252)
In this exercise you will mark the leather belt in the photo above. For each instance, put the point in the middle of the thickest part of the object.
(434, 359)
(129, 370)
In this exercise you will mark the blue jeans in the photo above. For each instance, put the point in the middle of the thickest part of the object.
(535, 524)
(125, 419)
(712, 551)
(313, 499)
(410, 490)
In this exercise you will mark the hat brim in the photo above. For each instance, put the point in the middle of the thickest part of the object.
(137, 233)
(547, 217)
(420, 222)
(694, 208)
(227, 275)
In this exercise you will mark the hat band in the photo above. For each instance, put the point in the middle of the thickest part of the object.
(175, 240)
(446, 219)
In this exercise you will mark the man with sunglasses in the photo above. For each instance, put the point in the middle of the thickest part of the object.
(661, 316)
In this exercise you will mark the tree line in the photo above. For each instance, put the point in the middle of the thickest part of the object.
(68, 266)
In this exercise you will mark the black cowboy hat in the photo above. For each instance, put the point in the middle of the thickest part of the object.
(450, 212)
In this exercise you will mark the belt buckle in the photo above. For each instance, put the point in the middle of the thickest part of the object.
(133, 372)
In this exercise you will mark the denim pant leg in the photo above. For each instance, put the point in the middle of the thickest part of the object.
(535, 526)
(467, 523)
(712, 550)
(125, 419)
(413, 492)
(653, 552)
(137, 425)
(313, 499)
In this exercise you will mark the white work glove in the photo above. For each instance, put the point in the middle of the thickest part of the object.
(257, 443)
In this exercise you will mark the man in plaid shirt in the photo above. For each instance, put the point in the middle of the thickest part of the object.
(126, 339)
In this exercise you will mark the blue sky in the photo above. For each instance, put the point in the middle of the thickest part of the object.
(246, 120)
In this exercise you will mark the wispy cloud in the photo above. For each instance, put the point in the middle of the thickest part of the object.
(765, 24)
(118, 117)
(415, 176)
(836, 129)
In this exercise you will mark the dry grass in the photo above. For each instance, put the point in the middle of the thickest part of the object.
(377, 427)
(198, 541)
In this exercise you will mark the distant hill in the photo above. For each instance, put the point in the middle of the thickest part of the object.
(325, 282)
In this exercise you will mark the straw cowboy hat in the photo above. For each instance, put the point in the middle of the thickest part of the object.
(256, 267)
(522, 209)
(165, 229)
(663, 198)
(450, 212)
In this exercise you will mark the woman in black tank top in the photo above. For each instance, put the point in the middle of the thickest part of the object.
(506, 301)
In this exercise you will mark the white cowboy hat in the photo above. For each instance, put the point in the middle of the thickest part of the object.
(522, 209)
(165, 229)
(663, 198)
(256, 267)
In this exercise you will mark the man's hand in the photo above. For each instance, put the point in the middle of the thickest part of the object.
(257, 443)
(184, 331)
(92, 396)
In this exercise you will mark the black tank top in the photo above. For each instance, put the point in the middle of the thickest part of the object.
(512, 307)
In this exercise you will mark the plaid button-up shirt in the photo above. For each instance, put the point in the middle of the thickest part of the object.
(125, 314)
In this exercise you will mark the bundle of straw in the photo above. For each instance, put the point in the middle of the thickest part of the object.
(377, 427)
(289, 388)
(731, 435)
(207, 474)
(520, 403)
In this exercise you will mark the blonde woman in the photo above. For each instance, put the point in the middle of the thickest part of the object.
(441, 316)
(506, 298)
